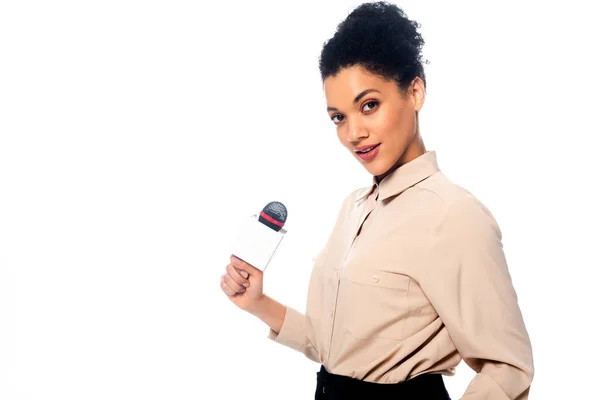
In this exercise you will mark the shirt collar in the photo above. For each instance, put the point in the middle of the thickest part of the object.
(405, 176)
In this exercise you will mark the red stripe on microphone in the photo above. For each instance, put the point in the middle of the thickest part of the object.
(274, 221)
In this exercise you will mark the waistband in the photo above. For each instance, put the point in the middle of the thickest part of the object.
(425, 386)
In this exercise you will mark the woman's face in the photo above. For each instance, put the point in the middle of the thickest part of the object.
(374, 120)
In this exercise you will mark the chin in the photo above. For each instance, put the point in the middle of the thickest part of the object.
(377, 168)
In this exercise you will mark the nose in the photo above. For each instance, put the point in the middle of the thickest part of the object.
(356, 132)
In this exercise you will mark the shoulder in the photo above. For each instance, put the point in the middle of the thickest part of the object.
(346, 203)
(352, 197)
(457, 210)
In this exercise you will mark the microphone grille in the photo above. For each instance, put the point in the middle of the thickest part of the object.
(276, 210)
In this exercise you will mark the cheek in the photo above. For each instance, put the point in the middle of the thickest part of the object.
(399, 126)
(341, 137)
(388, 127)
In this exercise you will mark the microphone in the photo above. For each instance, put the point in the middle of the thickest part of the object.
(273, 215)
(260, 235)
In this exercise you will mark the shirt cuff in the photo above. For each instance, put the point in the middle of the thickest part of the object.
(484, 387)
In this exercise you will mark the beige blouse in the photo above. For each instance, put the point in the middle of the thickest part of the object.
(413, 279)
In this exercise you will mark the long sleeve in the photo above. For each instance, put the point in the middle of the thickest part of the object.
(294, 334)
(469, 285)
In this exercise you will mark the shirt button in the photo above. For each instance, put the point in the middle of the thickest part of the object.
(375, 278)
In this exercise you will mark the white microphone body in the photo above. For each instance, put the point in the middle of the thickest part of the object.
(256, 243)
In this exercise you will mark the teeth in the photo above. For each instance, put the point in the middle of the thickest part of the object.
(366, 150)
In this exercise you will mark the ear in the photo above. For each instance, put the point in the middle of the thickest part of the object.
(416, 90)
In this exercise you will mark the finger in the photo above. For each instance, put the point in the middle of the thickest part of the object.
(228, 291)
(236, 287)
(243, 273)
(236, 275)
(243, 265)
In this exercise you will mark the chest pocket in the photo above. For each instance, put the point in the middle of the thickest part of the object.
(373, 303)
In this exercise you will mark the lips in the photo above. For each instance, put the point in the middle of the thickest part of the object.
(365, 149)
(367, 153)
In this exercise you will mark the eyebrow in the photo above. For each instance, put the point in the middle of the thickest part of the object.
(357, 98)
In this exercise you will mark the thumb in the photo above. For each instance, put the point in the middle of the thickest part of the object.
(244, 266)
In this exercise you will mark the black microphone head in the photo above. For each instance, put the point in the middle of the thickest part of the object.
(273, 215)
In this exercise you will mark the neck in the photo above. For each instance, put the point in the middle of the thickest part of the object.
(416, 148)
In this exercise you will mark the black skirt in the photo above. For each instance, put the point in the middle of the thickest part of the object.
(338, 387)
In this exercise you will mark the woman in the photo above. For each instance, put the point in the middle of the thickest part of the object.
(413, 277)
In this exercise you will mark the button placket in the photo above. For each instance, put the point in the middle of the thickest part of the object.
(372, 203)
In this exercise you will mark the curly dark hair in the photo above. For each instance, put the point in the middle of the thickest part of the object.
(379, 37)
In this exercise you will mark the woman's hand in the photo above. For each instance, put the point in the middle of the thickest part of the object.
(243, 284)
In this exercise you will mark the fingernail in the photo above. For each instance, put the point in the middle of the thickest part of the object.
(245, 284)
(244, 274)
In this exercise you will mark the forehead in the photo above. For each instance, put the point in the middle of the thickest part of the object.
(348, 82)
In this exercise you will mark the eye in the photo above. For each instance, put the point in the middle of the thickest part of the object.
(372, 103)
(333, 118)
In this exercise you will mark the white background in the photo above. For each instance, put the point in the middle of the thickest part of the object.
(134, 136)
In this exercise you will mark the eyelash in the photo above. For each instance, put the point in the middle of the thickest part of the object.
(375, 102)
